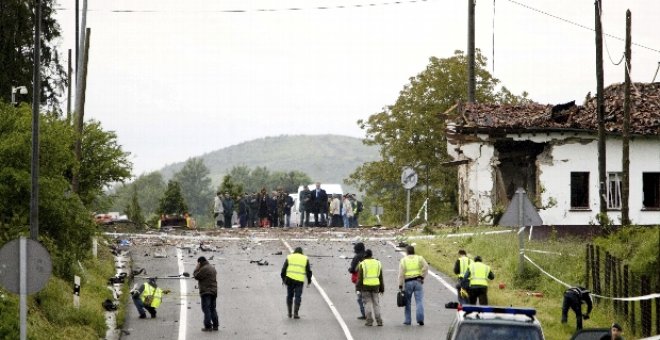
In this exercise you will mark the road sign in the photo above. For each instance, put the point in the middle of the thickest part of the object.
(520, 212)
(408, 178)
(38, 266)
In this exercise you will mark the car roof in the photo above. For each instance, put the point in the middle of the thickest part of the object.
(490, 317)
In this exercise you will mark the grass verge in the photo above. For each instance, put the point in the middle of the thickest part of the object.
(500, 252)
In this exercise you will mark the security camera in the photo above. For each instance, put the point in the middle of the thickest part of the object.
(19, 90)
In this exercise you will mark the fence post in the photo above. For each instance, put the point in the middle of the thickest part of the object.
(615, 283)
(597, 272)
(625, 290)
(646, 307)
(607, 274)
(587, 267)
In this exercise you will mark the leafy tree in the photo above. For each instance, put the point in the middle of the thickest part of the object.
(172, 201)
(65, 225)
(103, 161)
(16, 50)
(133, 210)
(195, 185)
(289, 181)
(260, 176)
(228, 185)
(411, 132)
(150, 188)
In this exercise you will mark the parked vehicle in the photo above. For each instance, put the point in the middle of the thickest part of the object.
(496, 323)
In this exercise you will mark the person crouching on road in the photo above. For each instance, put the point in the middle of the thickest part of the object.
(147, 296)
(358, 249)
(412, 271)
(370, 283)
(295, 268)
(206, 274)
(478, 275)
(573, 298)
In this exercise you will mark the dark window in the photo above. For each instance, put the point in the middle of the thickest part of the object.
(614, 190)
(580, 190)
(651, 188)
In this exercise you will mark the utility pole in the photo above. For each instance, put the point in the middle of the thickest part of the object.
(625, 186)
(68, 91)
(470, 52)
(80, 110)
(600, 109)
(36, 98)
(77, 33)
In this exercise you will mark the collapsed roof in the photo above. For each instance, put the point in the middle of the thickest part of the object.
(644, 114)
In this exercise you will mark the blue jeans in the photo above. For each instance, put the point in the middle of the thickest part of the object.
(287, 220)
(141, 307)
(360, 303)
(347, 223)
(294, 292)
(417, 288)
(210, 313)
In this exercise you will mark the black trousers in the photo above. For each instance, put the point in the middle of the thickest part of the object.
(572, 301)
(479, 293)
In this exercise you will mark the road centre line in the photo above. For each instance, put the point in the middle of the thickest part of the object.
(450, 287)
(334, 310)
(183, 287)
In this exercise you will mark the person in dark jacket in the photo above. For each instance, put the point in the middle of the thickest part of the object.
(253, 210)
(295, 269)
(358, 249)
(305, 204)
(228, 209)
(206, 274)
(272, 209)
(264, 220)
(573, 299)
(371, 284)
(320, 205)
(288, 204)
(243, 210)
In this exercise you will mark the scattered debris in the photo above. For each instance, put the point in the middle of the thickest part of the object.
(278, 253)
(109, 305)
(260, 262)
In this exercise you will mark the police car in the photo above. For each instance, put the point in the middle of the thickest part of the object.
(489, 322)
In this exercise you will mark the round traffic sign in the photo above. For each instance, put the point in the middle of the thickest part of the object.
(38, 266)
(408, 178)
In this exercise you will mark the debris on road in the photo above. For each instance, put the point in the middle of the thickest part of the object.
(260, 262)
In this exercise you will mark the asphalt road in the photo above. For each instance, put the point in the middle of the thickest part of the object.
(251, 300)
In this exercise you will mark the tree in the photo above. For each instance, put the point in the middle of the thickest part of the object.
(150, 188)
(411, 132)
(172, 201)
(228, 185)
(289, 181)
(195, 185)
(103, 161)
(17, 45)
(133, 210)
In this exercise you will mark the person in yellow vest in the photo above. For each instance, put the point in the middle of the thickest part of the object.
(147, 296)
(295, 269)
(478, 275)
(412, 271)
(370, 283)
(460, 267)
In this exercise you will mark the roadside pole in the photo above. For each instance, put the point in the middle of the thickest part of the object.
(521, 232)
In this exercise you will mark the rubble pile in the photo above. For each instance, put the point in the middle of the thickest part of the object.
(644, 113)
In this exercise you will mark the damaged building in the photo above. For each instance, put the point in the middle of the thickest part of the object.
(552, 153)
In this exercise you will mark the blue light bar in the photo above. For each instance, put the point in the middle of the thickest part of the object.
(507, 310)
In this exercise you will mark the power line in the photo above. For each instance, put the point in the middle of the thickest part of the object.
(578, 24)
(284, 9)
(609, 55)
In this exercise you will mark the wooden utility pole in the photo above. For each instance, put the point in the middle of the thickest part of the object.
(80, 111)
(68, 90)
(77, 33)
(625, 185)
(470, 52)
(36, 100)
(600, 109)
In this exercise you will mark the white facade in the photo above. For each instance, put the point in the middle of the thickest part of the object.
(563, 153)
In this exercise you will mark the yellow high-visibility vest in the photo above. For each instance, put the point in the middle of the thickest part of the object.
(371, 272)
(412, 266)
(479, 274)
(464, 263)
(296, 269)
(157, 294)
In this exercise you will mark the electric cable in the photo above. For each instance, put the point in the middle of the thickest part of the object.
(577, 24)
(623, 55)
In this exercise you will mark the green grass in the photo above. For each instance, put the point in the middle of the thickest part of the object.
(500, 252)
(51, 313)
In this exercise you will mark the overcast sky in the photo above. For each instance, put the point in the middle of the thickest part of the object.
(179, 78)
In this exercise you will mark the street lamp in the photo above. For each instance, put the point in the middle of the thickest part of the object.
(17, 90)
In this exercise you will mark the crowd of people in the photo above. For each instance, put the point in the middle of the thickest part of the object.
(274, 209)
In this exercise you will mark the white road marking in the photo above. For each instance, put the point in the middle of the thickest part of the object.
(450, 287)
(334, 310)
(183, 287)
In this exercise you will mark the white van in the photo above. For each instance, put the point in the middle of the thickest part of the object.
(330, 189)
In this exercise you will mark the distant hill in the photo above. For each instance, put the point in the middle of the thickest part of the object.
(325, 158)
